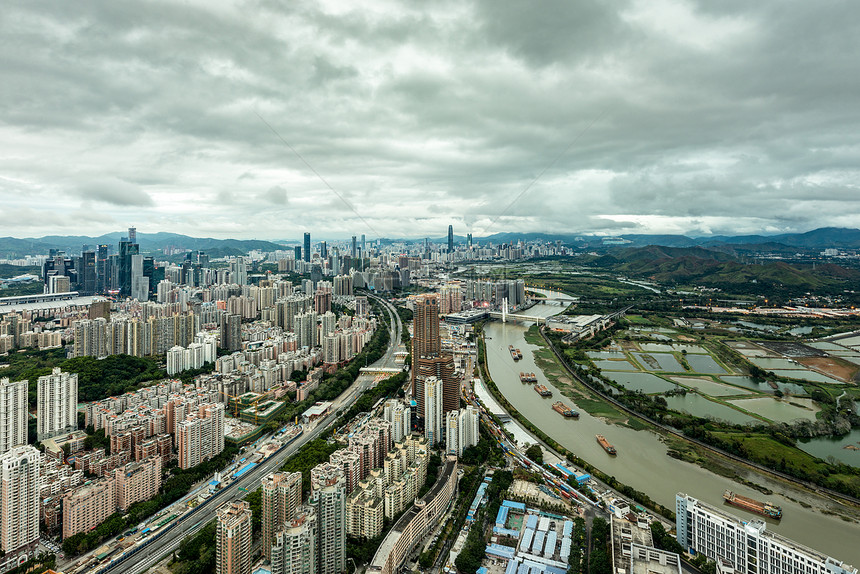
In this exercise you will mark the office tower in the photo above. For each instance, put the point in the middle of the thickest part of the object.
(323, 250)
(328, 497)
(354, 251)
(450, 239)
(427, 357)
(86, 268)
(469, 240)
(13, 414)
(132, 235)
(294, 548)
(282, 495)
(745, 546)
(56, 404)
(102, 269)
(233, 538)
(19, 498)
(363, 246)
(298, 253)
(307, 249)
(433, 410)
(139, 283)
(126, 250)
(231, 332)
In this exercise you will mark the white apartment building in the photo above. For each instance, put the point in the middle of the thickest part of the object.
(433, 409)
(56, 404)
(19, 498)
(294, 548)
(13, 414)
(747, 546)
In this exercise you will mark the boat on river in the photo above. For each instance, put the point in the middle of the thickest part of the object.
(601, 440)
(763, 508)
(564, 410)
(528, 378)
(543, 391)
(516, 354)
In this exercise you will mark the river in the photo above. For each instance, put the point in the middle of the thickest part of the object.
(642, 461)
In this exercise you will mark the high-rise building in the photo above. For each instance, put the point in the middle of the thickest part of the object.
(745, 546)
(87, 506)
(239, 271)
(354, 251)
(323, 250)
(233, 538)
(200, 436)
(13, 414)
(56, 404)
(102, 270)
(19, 499)
(433, 415)
(450, 239)
(363, 245)
(282, 495)
(126, 250)
(399, 415)
(132, 235)
(137, 481)
(294, 548)
(307, 250)
(427, 357)
(328, 497)
(86, 268)
(461, 430)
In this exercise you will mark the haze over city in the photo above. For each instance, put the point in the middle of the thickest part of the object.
(645, 117)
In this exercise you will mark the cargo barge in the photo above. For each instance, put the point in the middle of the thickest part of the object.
(763, 508)
(528, 378)
(601, 440)
(564, 410)
(515, 353)
(543, 391)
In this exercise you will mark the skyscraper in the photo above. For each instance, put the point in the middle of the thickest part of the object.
(363, 245)
(282, 495)
(132, 235)
(233, 538)
(307, 253)
(323, 250)
(433, 409)
(102, 270)
(427, 357)
(328, 497)
(294, 548)
(450, 239)
(126, 250)
(56, 404)
(354, 251)
(19, 499)
(13, 414)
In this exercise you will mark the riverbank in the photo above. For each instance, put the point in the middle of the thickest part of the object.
(642, 462)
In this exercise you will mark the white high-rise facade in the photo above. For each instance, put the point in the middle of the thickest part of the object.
(13, 414)
(433, 409)
(328, 497)
(745, 546)
(56, 404)
(19, 498)
(398, 415)
(294, 547)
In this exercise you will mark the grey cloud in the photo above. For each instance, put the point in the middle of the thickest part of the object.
(113, 191)
(275, 195)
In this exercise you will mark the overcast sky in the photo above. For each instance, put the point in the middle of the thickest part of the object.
(651, 116)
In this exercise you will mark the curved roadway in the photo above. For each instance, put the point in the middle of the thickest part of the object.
(146, 555)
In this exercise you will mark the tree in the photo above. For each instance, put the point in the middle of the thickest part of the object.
(535, 453)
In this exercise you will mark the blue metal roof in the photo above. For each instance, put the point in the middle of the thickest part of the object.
(244, 469)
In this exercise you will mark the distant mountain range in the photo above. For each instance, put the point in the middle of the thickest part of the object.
(11, 247)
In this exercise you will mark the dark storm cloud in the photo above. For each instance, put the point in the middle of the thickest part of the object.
(704, 117)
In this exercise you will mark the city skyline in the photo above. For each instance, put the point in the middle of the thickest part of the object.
(667, 117)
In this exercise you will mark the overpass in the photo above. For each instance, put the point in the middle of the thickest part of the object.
(381, 370)
(515, 317)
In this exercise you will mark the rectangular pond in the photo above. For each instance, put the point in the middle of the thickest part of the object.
(704, 364)
(606, 355)
(667, 348)
(709, 387)
(769, 364)
(807, 374)
(645, 382)
(607, 365)
(762, 386)
(699, 406)
(779, 410)
(659, 362)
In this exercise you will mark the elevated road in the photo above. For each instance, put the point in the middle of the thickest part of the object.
(146, 555)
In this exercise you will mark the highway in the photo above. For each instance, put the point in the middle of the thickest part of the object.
(147, 554)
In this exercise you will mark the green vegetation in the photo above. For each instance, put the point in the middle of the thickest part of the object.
(113, 375)
(433, 466)
(663, 540)
(255, 500)
(600, 557)
(486, 452)
(7, 270)
(535, 453)
(41, 563)
(196, 555)
(578, 547)
(31, 288)
(311, 454)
